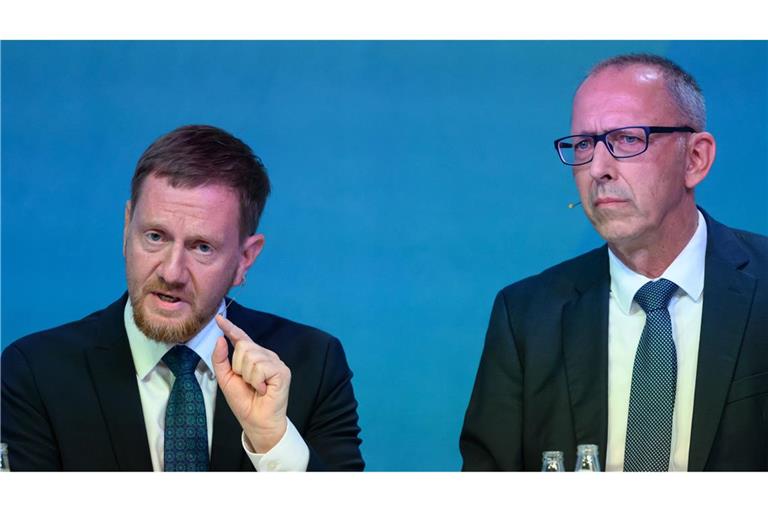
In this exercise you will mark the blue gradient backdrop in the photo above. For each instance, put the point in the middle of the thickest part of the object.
(412, 180)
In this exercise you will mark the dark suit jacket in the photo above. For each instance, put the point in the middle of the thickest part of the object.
(70, 400)
(543, 377)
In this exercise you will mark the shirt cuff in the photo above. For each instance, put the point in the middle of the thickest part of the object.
(289, 454)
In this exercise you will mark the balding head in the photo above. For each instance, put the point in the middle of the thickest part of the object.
(682, 88)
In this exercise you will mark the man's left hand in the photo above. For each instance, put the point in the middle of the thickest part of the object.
(255, 385)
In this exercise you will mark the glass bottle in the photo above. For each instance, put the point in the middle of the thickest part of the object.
(552, 461)
(4, 466)
(587, 458)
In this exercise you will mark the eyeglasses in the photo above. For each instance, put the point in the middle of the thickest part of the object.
(621, 143)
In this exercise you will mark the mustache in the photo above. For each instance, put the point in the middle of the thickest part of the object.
(160, 285)
(603, 190)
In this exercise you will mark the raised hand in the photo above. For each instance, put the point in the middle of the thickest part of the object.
(255, 385)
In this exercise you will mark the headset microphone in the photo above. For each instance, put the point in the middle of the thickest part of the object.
(232, 297)
(574, 205)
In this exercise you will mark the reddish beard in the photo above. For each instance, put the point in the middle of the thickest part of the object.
(169, 330)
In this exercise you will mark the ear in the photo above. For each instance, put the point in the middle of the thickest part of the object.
(701, 155)
(126, 222)
(249, 251)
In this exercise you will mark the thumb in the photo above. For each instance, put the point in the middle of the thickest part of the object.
(220, 359)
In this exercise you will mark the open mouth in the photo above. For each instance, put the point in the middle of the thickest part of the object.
(167, 298)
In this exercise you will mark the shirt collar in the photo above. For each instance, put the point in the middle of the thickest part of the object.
(686, 271)
(147, 352)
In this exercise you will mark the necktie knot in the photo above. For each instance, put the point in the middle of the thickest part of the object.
(655, 295)
(181, 360)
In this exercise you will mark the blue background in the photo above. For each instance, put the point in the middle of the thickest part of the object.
(411, 181)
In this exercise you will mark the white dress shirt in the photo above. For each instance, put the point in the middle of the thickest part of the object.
(626, 320)
(155, 381)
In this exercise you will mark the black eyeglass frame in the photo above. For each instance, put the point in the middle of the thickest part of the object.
(602, 138)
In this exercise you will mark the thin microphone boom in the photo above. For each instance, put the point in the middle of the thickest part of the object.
(573, 205)
(232, 296)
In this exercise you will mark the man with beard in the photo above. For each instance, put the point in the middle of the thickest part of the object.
(173, 376)
(654, 348)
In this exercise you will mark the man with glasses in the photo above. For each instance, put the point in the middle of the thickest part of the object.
(654, 347)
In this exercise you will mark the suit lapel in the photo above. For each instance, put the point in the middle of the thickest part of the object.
(585, 349)
(728, 295)
(114, 379)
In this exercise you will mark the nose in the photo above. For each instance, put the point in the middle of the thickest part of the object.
(173, 269)
(603, 164)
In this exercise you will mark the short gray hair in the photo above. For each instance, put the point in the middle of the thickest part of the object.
(682, 87)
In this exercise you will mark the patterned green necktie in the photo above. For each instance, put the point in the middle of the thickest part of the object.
(186, 432)
(654, 381)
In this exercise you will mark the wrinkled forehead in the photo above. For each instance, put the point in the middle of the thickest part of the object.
(160, 193)
(618, 96)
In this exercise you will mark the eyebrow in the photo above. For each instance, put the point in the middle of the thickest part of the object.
(194, 236)
(589, 134)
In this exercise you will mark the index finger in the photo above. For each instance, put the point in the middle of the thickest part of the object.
(233, 332)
